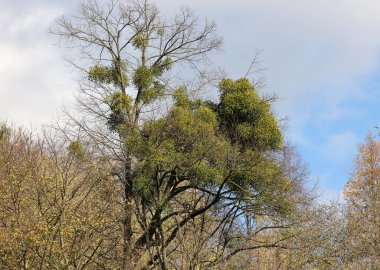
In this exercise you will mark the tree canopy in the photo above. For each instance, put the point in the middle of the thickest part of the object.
(196, 158)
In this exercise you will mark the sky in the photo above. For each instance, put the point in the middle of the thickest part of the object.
(320, 57)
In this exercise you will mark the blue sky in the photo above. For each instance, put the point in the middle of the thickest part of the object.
(320, 57)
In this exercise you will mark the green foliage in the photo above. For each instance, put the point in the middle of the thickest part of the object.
(120, 101)
(202, 141)
(246, 117)
(191, 141)
(160, 67)
(76, 149)
(152, 93)
(140, 41)
(167, 63)
(143, 77)
(181, 98)
(207, 115)
(132, 139)
(185, 141)
(204, 173)
(108, 75)
(101, 74)
(120, 105)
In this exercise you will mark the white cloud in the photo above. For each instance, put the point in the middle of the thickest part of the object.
(34, 80)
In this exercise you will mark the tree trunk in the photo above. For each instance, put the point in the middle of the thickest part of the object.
(127, 222)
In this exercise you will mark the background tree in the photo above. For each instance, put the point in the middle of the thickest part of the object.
(56, 207)
(362, 193)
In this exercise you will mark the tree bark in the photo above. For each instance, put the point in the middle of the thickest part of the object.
(127, 222)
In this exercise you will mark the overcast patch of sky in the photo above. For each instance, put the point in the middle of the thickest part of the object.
(320, 58)
(34, 79)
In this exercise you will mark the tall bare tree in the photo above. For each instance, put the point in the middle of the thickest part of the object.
(131, 45)
(175, 167)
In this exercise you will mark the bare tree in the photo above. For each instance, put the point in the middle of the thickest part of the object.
(130, 48)
(175, 168)
(57, 206)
